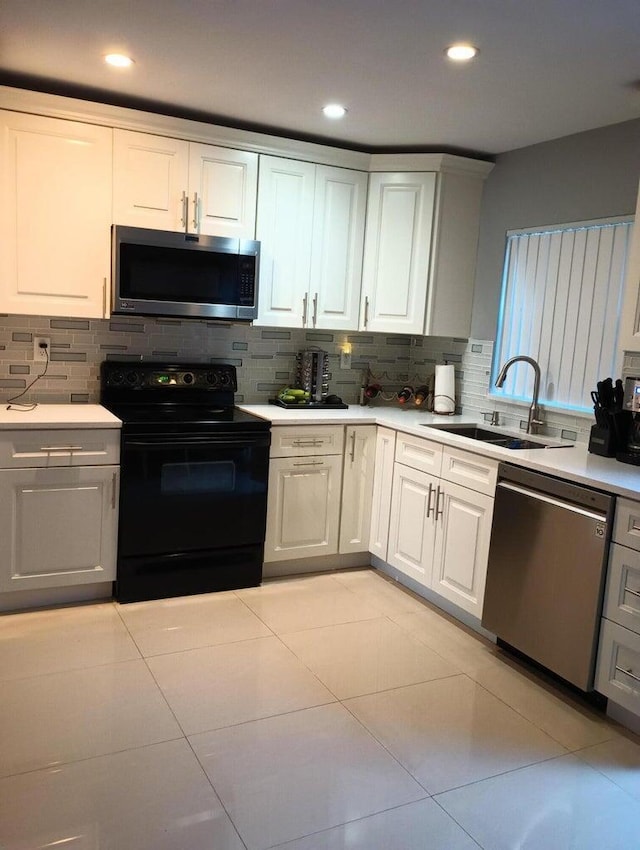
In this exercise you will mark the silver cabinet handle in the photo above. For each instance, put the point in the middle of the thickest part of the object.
(61, 448)
(439, 510)
(104, 298)
(353, 446)
(315, 309)
(309, 463)
(196, 213)
(114, 485)
(628, 673)
(304, 309)
(184, 219)
(366, 310)
(306, 443)
(429, 508)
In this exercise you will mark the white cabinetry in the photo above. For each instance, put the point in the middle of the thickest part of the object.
(441, 519)
(618, 665)
(171, 184)
(55, 216)
(311, 228)
(420, 250)
(357, 488)
(305, 478)
(59, 491)
(630, 315)
(381, 498)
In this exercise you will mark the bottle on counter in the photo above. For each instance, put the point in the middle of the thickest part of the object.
(420, 395)
(405, 394)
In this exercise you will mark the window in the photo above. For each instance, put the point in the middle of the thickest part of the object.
(562, 293)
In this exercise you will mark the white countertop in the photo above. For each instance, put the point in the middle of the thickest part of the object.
(573, 462)
(58, 416)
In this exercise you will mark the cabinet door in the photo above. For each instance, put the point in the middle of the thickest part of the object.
(357, 488)
(338, 238)
(397, 252)
(284, 228)
(462, 546)
(58, 526)
(223, 187)
(149, 180)
(455, 244)
(412, 528)
(55, 216)
(381, 500)
(303, 509)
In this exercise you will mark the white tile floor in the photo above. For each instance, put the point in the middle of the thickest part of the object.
(316, 713)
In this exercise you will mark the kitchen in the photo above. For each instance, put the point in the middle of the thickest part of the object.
(583, 183)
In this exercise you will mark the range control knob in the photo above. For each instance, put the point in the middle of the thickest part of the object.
(187, 378)
(132, 378)
(212, 378)
(116, 378)
(225, 379)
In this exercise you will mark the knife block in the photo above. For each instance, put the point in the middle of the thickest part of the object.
(602, 441)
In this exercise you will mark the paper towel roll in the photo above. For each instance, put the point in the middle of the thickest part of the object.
(444, 399)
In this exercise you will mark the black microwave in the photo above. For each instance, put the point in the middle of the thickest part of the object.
(163, 273)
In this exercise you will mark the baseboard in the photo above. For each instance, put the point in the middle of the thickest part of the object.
(320, 564)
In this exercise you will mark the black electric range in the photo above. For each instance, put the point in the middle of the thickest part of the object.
(194, 472)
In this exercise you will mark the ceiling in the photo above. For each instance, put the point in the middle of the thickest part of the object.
(546, 68)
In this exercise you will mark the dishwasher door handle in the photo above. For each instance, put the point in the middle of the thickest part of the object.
(549, 500)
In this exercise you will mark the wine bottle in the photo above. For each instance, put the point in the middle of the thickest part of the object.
(421, 394)
(405, 394)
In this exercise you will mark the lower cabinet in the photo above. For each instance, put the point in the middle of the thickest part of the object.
(58, 526)
(320, 487)
(381, 499)
(303, 507)
(440, 530)
(357, 488)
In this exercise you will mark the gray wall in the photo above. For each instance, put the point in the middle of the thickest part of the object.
(576, 178)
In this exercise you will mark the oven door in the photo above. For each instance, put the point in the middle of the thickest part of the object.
(186, 493)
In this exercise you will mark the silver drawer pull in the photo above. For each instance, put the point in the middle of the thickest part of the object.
(431, 492)
(632, 592)
(310, 463)
(307, 442)
(61, 448)
(628, 673)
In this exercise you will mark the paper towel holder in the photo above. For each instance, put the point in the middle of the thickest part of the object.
(444, 389)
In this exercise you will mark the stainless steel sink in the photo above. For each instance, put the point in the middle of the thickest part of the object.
(495, 438)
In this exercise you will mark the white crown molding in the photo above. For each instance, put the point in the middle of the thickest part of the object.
(89, 112)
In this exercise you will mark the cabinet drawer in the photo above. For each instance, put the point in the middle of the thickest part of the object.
(622, 597)
(59, 447)
(297, 441)
(471, 470)
(618, 669)
(626, 528)
(417, 453)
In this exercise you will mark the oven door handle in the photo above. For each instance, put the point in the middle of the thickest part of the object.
(188, 442)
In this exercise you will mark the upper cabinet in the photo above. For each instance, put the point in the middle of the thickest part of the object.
(630, 321)
(311, 229)
(55, 216)
(171, 184)
(420, 251)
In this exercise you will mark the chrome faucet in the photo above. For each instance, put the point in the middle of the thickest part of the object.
(534, 420)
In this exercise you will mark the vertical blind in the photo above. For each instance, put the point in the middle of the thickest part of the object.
(562, 292)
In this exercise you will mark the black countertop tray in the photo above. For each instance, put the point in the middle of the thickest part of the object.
(308, 405)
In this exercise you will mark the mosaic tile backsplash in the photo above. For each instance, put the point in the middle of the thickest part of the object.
(264, 358)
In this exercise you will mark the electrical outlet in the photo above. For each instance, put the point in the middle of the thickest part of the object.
(41, 347)
(345, 359)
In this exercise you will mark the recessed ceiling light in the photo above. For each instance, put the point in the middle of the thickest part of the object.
(461, 52)
(118, 60)
(334, 110)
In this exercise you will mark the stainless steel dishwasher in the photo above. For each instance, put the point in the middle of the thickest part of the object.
(547, 565)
